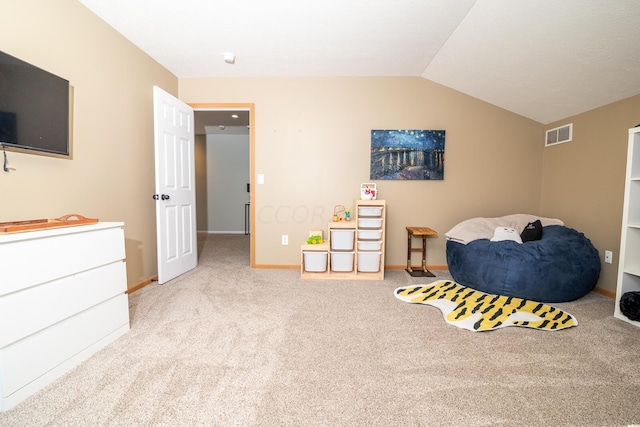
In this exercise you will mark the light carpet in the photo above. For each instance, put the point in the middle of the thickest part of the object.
(228, 345)
(477, 311)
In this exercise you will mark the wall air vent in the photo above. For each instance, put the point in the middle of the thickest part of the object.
(559, 135)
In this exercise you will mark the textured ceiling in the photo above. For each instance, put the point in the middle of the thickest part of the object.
(221, 122)
(542, 59)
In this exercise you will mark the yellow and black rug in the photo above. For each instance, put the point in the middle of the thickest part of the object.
(477, 311)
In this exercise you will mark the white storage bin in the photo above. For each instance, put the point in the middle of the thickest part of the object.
(342, 261)
(342, 240)
(369, 211)
(369, 261)
(369, 245)
(315, 262)
(369, 234)
(369, 222)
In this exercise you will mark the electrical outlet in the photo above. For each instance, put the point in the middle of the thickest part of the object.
(608, 257)
(285, 239)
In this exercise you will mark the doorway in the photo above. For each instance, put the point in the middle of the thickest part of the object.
(227, 209)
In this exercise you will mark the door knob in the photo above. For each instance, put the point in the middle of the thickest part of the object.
(156, 197)
(165, 197)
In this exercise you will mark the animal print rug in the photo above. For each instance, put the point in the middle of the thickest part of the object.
(477, 311)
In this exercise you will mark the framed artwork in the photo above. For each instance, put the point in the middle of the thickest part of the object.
(407, 154)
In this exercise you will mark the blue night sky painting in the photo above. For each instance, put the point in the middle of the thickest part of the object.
(407, 154)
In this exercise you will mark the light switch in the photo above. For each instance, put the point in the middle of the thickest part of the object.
(260, 178)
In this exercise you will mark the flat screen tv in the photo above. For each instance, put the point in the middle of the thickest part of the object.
(34, 108)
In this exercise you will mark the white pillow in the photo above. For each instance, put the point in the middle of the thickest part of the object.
(506, 233)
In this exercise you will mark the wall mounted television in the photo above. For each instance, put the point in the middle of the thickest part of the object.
(35, 109)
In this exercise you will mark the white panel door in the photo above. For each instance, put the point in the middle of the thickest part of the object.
(175, 186)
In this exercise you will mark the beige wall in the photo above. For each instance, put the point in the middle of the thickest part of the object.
(583, 180)
(111, 176)
(312, 142)
(202, 213)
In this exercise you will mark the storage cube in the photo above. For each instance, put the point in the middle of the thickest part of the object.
(369, 222)
(369, 211)
(369, 245)
(315, 261)
(342, 240)
(342, 261)
(369, 234)
(369, 261)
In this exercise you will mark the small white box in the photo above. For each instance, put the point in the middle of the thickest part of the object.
(315, 233)
(368, 191)
(369, 222)
(342, 240)
(369, 234)
(315, 262)
(369, 245)
(369, 261)
(369, 211)
(342, 261)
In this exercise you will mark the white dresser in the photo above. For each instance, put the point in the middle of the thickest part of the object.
(62, 298)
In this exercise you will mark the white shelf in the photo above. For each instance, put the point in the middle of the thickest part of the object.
(371, 225)
(633, 271)
(629, 265)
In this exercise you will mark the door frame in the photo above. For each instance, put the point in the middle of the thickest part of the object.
(252, 118)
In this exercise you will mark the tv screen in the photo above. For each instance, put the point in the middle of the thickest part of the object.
(34, 108)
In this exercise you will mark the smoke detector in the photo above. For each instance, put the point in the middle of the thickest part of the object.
(229, 58)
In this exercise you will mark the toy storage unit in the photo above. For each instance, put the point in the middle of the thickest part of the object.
(355, 249)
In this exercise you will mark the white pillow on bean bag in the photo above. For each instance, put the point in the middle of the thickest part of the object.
(506, 233)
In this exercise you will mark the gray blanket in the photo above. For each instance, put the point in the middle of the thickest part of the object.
(484, 228)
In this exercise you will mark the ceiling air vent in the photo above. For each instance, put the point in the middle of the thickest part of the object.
(559, 135)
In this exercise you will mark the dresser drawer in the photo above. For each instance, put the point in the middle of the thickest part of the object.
(31, 358)
(39, 307)
(47, 258)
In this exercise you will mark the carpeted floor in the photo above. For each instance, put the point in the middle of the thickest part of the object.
(226, 345)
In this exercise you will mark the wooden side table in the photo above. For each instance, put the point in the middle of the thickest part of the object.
(423, 232)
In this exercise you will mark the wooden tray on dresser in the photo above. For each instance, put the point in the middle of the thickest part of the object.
(41, 224)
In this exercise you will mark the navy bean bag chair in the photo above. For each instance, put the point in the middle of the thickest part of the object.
(561, 266)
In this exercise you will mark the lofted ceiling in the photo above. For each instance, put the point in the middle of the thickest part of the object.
(542, 59)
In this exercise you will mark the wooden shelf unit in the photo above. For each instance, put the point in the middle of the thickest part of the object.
(368, 230)
(629, 256)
